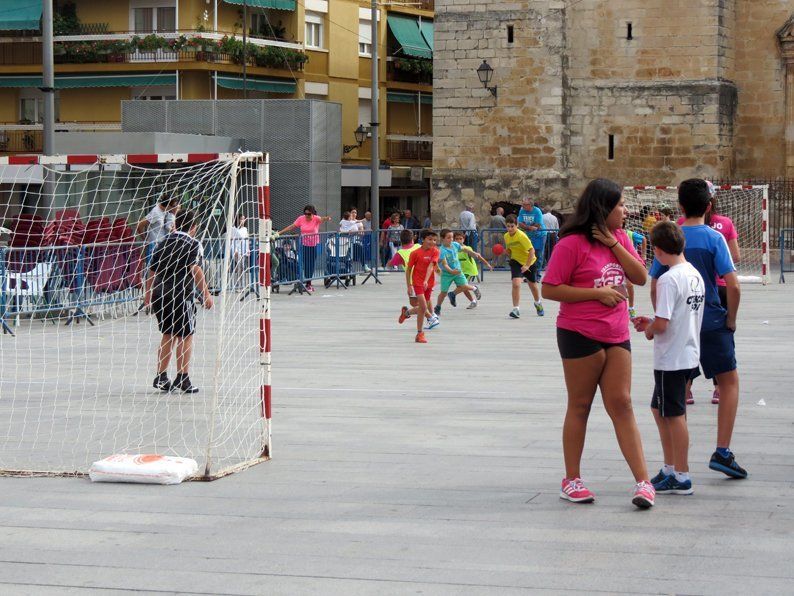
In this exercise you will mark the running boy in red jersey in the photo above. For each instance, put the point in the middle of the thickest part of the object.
(420, 277)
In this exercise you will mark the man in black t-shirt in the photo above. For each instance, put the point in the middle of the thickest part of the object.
(174, 274)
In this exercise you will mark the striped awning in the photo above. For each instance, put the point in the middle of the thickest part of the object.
(400, 97)
(20, 15)
(86, 81)
(407, 33)
(257, 84)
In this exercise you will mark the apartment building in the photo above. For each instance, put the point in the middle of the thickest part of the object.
(115, 50)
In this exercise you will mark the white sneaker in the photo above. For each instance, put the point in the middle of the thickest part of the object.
(433, 322)
(514, 314)
(472, 305)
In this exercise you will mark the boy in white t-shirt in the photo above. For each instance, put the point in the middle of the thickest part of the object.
(680, 297)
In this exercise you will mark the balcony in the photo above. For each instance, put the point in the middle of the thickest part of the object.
(178, 46)
(28, 138)
(409, 70)
(409, 148)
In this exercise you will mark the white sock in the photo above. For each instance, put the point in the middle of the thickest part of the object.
(539, 302)
(682, 476)
(668, 470)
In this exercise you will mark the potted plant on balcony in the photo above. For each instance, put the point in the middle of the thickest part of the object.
(116, 51)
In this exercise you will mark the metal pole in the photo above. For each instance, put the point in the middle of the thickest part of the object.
(48, 79)
(245, 49)
(375, 158)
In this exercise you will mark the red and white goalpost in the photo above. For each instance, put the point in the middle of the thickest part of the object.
(78, 350)
(746, 205)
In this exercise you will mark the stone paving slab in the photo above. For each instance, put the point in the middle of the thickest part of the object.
(407, 469)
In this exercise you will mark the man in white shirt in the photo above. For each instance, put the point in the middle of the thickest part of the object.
(551, 224)
(159, 222)
(468, 223)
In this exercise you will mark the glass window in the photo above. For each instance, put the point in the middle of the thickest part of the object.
(365, 37)
(166, 19)
(143, 19)
(364, 111)
(314, 29)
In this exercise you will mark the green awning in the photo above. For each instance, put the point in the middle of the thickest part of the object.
(253, 84)
(20, 14)
(82, 82)
(406, 31)
(276, 4)
(399, 97)
(427, 33)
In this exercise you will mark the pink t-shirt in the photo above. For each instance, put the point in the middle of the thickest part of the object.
(579, 263)
(724, 226)
(309, 229)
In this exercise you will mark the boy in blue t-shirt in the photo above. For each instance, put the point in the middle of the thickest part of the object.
(451, 272)
(707, 251)
(530, 221)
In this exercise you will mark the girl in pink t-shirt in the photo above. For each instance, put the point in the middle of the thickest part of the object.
(586, 274)
(308, 225)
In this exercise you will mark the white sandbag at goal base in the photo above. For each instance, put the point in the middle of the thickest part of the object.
(746, 205)
(143, 469)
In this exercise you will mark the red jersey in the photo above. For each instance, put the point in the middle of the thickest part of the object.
(419, 261)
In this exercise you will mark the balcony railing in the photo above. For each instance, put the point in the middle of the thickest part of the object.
(28, 138)
(136, 47)
(409, 70)
(410, 147)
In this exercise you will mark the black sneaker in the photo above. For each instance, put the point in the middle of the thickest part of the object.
(727, 465)
(453, 300)
(183, 384)
(437, 310)
(161, 382)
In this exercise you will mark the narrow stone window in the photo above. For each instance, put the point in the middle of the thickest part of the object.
(611, 149)
(629, 31)
(509, 34)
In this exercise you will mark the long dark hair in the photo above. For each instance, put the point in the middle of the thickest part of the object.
(594, 206)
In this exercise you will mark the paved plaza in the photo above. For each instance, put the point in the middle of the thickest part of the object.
(434, 469)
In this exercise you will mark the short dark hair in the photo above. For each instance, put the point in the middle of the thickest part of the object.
(185, 220)
(694, 197)
(346, 215)
(511, 219)
(426, 233)
(666, 211)
(668, 237)
(444, 232)
(168, 201)
(310, 208)
(406, 236)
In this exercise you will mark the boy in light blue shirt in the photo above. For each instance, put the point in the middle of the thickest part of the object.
(450, 266)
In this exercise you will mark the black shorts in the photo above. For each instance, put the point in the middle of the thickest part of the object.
(175, 317)
(575, 345)
(669, 391)
(530, 274)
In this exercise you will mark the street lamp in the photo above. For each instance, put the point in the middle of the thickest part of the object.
(361, 134)
(485, 74)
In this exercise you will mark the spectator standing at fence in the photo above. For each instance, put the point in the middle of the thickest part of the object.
(158, 223)
(427, 223)
(309, 226)
(240, 250)
(497, 223)
(468, 223)
(530, 221)
(367, 227)
(498, 220)
(393, 234)
(408, 221)
(174, 275)
(349, 223)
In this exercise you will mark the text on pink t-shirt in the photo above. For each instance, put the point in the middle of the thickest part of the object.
(724, 226)
(579, 263)
(309, 229)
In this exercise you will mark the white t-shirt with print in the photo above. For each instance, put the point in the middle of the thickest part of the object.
(161, 222)
(680, 298)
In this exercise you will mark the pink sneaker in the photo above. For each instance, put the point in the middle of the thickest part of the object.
(575, 491)
(644, 495)
(690, 399)
(715, 397)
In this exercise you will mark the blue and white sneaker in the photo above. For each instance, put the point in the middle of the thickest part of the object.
(433, 323)
(477, 293)
(659, 477)
(453, 300)
(671, 486)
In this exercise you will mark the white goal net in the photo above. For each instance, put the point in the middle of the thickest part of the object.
(746, 206)
(79, 350)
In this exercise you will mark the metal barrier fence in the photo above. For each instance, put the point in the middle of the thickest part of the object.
(786, 246)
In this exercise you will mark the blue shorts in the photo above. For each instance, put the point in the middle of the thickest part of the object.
(717, 352)
(447, 279)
